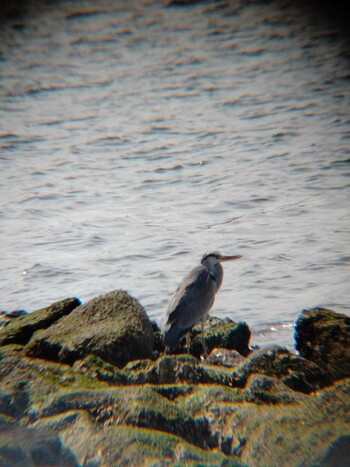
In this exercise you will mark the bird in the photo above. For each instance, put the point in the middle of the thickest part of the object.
(194, 298)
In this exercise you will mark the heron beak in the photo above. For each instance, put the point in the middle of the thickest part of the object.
(229, 258)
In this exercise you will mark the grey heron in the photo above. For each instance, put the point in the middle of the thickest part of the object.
(194, 298)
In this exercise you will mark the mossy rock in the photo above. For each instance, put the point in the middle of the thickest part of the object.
(323, 336)
(268, 423)
(20, 330)
(114, 327)
(177, 369)
(37, 379)
(128, 445)
(141, 406)
(99, 370)
(296, 372)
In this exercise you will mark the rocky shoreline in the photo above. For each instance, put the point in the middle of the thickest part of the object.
(90, 384)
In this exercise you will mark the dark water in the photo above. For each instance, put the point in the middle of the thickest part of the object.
(136, 137)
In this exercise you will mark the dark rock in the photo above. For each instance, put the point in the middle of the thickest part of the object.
(113, 326)
(21, 446)
(166, 370)
(262, 389)
(337, 454)
(223, 333)
(296, 372)
(21, 329)
(158, 337)
(182, 3)
(323, 337)
(14, 404)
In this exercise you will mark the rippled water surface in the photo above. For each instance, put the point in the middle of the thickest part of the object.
(135, 137)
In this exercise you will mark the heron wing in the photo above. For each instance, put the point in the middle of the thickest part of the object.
(193, 299)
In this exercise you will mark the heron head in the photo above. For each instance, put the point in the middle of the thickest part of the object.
(216, 256)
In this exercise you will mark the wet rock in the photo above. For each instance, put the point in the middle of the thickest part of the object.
(21, 329)
(295, 372)
(21, 446)
(323, 337)
(114, 327)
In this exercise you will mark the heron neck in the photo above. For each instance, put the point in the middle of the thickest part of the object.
(218, 272)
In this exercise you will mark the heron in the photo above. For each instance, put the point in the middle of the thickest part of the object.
(194, 298)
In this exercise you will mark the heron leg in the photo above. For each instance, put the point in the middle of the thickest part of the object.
(204, 345)
(188, 341)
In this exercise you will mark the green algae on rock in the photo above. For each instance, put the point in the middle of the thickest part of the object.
(296, 372)
(83, 387)
(20, 330)
(113, 326)
(129, 445)
(323, 337)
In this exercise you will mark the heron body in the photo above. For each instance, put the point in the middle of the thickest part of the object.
(194, 297)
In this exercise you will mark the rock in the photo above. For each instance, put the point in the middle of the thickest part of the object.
(7, 316)
(21, 329)
(337, 454)
(223, 333)
(15, 403)
(225, 357)
(135, 406)
(98, 369)
(100, 400)
(114, 327)
(25, 447)
(12, 314)
(295, 372)
(181, 3)
(158, 338)
(323, 337)
(128, 445)
(262, 389)
(291, 432)
(177, 369)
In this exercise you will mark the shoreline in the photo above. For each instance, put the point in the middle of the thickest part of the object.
(90, 384)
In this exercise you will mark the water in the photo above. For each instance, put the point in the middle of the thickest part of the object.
(136, 137)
